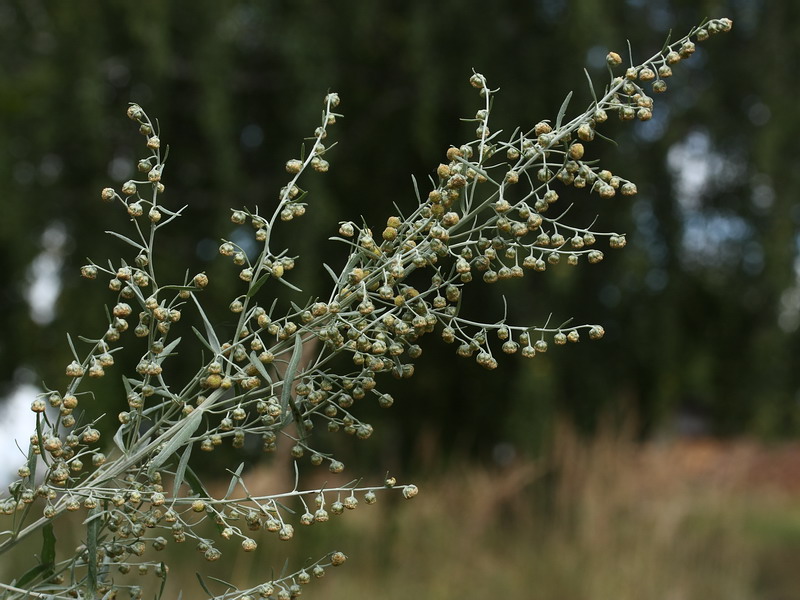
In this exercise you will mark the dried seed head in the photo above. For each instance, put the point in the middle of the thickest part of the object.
(477, 81)
(585, 132)
(647, 74)
(320, 165)
(249, 544)
(135, 112)
(74, 369)
(212, 554)
(452, 152)
(606, 191)
(617, 241)
(332, 99)
(286, 532)
(410, 491)
(135, 209)
(595, 256)
(596, 332)
(576, 151)
(687, 49)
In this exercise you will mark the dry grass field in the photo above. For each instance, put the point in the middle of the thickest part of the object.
(607, 519)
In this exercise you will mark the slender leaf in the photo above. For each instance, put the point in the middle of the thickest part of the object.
(179, 288)
(234, 480)
(198, 488)
(416, 189)
(92, 529)
(188, 426)
(291, 286)
(118, 441)
(665, 47)
(608, 139)
(222, 581)
(262, 370)
(257, 284)
(212, 336)
(170, 347)
(203, 339)
(285, 568)
(176, 213)
(291, 369)
(127, 240)
(591, 86)
(167, 350)
(181, 470)
(40, 434)
(204, 586)
(72, 347)
(194, 482)
(47, 558)
(331, 272)
(32, 462)
(164, 573)
(563, 110)
(29, 576)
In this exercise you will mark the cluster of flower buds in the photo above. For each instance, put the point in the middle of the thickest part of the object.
(491, 213)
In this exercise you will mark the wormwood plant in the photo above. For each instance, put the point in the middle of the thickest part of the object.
(491, 212)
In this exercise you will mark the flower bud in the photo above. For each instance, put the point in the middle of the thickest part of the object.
(410, 491)
(135, 112)
(332, 99)
(585, 132)
(477, 81)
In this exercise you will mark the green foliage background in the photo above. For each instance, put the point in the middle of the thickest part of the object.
(700, 315)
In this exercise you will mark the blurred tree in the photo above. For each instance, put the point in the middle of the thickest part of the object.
(702, 309)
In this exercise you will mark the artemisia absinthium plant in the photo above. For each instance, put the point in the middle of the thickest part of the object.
(137, 494)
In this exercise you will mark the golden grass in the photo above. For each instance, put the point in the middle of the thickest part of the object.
(606, 519)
